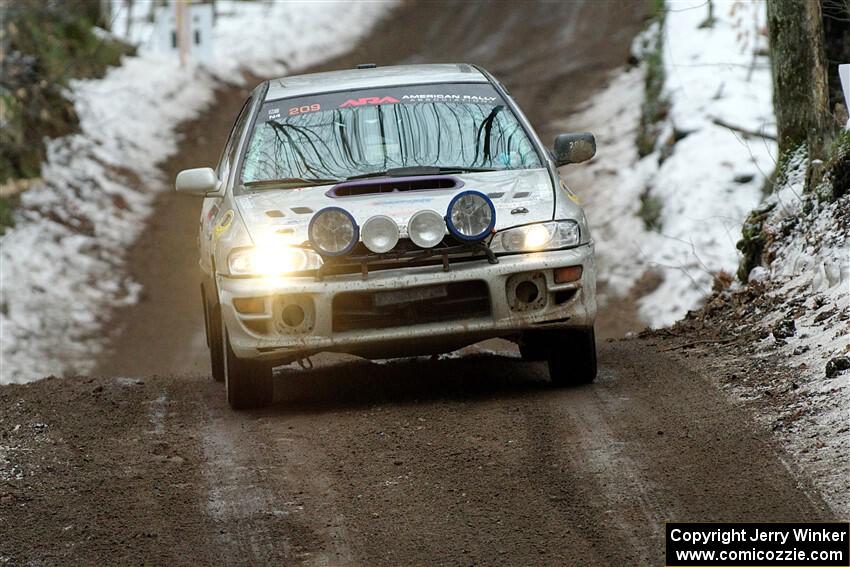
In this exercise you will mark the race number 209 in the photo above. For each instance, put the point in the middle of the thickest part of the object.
(296, 110)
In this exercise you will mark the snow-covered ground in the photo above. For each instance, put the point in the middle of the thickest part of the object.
(706, 182)
(61, 267)
(809, 276)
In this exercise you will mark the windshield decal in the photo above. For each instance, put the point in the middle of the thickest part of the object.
(302, 109)
(458, 93)
(369, 100)
(439, 97)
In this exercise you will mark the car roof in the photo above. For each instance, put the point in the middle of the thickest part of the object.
(368, 77)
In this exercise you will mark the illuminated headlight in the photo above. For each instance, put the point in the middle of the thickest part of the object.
(271, 261)
(426, 228)
(380, 234)
(535, 237)
(471, 216)
(333, 232)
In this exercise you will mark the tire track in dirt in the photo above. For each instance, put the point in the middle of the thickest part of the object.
(474, 459)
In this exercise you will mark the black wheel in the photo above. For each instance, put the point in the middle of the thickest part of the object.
(572, 357)
(533, 346)
(248, 382)
(212, 320)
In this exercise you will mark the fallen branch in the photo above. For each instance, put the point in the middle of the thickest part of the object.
(694, 343)
(743, 131)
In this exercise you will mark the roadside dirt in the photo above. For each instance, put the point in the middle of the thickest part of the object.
(472, 459)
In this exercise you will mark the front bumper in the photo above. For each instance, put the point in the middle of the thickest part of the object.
(271, 332)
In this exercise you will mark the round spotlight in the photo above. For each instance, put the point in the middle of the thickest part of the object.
(471, 215)
(380, 234)
(426, 228)
(333, 232)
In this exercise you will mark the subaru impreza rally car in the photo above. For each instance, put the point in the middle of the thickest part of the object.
(388, 212)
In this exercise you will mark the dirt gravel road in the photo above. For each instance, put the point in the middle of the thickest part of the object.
(469, 459)
(472, 460)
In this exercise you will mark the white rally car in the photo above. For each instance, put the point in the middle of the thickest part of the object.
(387, 212)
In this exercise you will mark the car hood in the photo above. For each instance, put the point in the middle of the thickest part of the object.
(520, 197)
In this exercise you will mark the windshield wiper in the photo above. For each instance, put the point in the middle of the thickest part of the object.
(421, 170)
(288, 182)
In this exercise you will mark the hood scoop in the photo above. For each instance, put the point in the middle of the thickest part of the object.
(360, 187)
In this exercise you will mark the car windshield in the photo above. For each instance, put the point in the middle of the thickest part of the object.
(336, 136)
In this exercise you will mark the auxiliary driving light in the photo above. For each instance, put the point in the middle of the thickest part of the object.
(380, 234)
(471, 215)
(333, 232)
(426, 228)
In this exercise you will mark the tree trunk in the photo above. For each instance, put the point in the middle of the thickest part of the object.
(800, 86)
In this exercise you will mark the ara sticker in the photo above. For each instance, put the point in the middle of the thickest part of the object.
(274, 113)
(369, 100)
(223, 224)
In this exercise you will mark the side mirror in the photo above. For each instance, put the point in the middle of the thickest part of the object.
(574, 148)
(200, 182)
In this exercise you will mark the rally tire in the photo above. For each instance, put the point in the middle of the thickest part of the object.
(248, 383)
(533, 347)
(572, 357)
(212, 328)
(216, 343)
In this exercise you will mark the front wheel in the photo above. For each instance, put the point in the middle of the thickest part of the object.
(533, 347)
(572, 357)
(212, 327)
(249, 383)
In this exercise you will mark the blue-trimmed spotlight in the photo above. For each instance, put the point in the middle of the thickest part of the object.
(333, 232)
(471, 215)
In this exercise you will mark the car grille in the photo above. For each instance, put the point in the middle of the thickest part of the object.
(447, 302)
(404, 255)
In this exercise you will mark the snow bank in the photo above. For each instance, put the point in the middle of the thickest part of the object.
(810, 276)
(62, 266)
(706, 182)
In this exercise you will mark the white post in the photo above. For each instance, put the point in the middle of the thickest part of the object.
(183, 23)
(844, 75)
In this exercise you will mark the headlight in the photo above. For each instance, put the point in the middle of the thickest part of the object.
(540, 236)
(380, 234)
(271, 260)
(333, 232)
(471, 215)
(426, 228)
